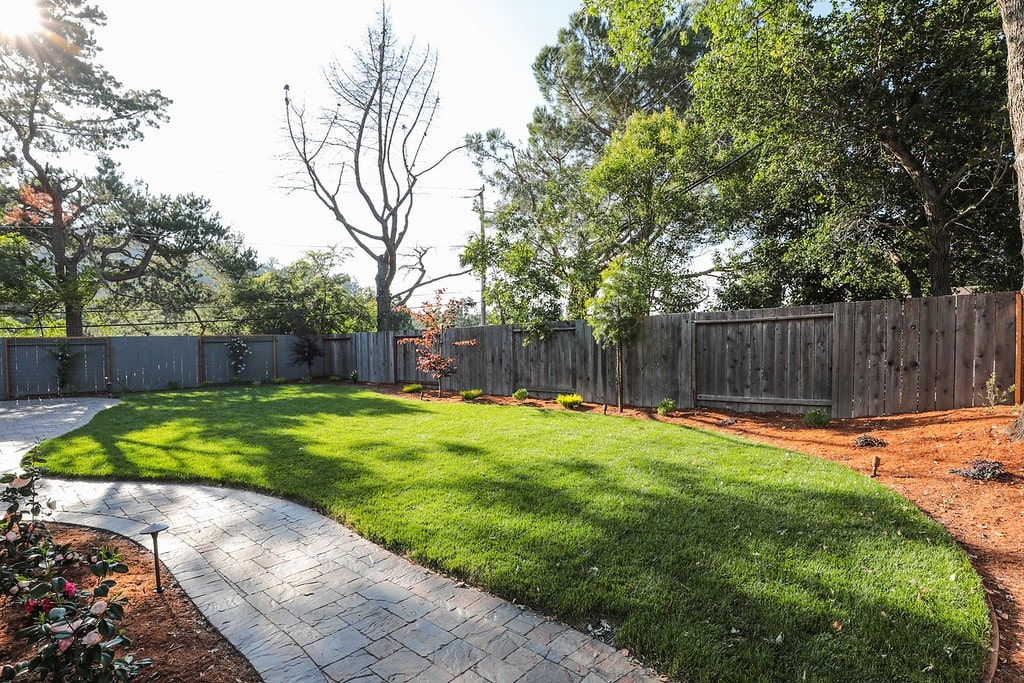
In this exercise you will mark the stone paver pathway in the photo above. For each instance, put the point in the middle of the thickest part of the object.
(26, 422)
(306, 599)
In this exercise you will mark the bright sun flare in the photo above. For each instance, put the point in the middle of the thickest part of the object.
(19, 17)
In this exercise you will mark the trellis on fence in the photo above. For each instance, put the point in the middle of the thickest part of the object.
(855, 359)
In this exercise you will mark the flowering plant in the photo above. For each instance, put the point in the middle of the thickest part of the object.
(238, 351)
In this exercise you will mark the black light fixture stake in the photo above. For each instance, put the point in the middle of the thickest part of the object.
(153, 530)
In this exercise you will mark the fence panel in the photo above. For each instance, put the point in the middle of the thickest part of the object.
(773, 359)
(925, 354)
(545, 367)
(32, 366)
(338, 357)
(260, 364)
(153, 363)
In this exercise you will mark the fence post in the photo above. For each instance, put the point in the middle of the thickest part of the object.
(1018, 338)
(6, 370)
(202, 361)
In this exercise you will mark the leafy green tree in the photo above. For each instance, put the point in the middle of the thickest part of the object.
(24, 301)
(617, 311)
(187, 296)
(309, 295)
(56, 98)
(646, 184)
(889, 113)
(125, 243)
(552, 232)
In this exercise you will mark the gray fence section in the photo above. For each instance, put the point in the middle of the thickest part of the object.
(855, 359)
(152, 363)
(115, 364)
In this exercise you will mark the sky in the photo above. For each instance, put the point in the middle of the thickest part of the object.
(224, 65)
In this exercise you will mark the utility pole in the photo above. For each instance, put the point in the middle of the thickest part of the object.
(483, 271)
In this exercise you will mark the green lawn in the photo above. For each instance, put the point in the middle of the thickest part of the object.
(718, 559)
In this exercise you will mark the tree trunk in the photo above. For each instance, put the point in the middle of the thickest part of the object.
(618, 374)
(934, 211)
(385, 320)
(1013, 28)
(938, 254)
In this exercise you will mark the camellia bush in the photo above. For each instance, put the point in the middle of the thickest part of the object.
(77, 629)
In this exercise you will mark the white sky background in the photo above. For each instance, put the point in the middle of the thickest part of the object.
(224, 64)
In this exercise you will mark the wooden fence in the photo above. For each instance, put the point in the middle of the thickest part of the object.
(854, 359)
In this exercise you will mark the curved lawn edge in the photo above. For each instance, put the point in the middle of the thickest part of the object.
(597, 486)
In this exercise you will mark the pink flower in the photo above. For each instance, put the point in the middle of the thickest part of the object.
(91, 638)
(98, 608)
(64, 644)
(19, 482)
(69, 589)
(12, 536)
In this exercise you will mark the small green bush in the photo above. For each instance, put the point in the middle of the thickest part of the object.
(666, 406)
(569, 401)
(173, 386)
(278, 380)
(471, 394)
(353, 377)
(520, 394)
(205, 385)
(334, 378)
(817, 418)
(412, 388)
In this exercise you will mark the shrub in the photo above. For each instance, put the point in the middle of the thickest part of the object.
(305, 350)
(520, 394)
(817, 418)
(471, 394)
(278, 380)
(78, 631)
(569, 401)
(334, 378)
(666, 406)
(173, 386)
(353, 377)
(993, 394)
(412, 388)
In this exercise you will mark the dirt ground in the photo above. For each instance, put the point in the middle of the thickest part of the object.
(986, 517)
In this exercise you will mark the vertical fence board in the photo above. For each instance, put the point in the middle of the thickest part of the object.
(963, 364)
(1003, 333)
(945, 331)
(909, 364)
(984, 345)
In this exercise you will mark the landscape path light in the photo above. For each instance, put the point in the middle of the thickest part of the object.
(153, 530)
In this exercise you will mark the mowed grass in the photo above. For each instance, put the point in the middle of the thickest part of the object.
(716, 559)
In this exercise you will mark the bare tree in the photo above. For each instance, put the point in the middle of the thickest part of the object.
(386, 103)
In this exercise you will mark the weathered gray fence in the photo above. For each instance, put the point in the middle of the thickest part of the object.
(114, 364)
(855, 359)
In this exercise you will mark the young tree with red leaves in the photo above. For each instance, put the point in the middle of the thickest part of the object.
(436, 317)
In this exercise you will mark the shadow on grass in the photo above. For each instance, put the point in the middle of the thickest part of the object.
(801, 571)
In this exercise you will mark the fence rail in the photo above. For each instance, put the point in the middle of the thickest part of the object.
(856, 359)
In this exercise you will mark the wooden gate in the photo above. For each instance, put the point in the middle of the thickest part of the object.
(764, 360)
